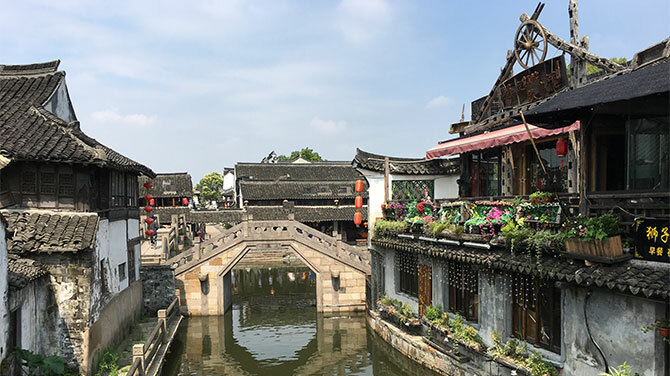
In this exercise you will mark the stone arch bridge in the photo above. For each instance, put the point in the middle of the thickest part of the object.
(203, 273)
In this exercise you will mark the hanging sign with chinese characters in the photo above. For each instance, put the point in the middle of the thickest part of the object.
(652, 239)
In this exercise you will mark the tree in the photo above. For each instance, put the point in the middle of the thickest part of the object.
(306, 154)
(210, 187)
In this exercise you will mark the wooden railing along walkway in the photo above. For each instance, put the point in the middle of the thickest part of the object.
(148, 357)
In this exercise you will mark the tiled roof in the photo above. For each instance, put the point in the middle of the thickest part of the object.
(305, 213)
(29, 132)
(315, 171)
(22, 271)
(622, 86)
(49, 231)
(289, 190)
(177, 184)
(632, 277)
(406, 166)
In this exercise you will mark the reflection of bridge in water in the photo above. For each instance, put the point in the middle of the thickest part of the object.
(307, 344)
(203, 274)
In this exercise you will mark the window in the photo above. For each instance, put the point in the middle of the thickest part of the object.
(118, 189)
(66, 185)
(29, 181)
(122, 271)
(407, 265)
(648, 153)
(463, 283)
(482, 174)
(131, 190)
(47, 183)
(556, 179)
(131, 264)
(536, 312)
(412, 189)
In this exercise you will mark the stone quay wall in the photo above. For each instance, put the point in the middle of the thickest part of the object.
(158, 288)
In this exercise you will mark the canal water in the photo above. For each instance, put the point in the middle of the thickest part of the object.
(274, 329)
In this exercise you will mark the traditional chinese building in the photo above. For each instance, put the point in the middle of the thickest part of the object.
(169, 190)
(72, 230)
(596, 143)
(320, 194)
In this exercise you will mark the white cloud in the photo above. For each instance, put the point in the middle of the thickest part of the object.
(328, 127)
(361, 21)
(440, 101)
(115, 117)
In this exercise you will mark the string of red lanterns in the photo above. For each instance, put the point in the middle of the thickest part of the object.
(358, 201)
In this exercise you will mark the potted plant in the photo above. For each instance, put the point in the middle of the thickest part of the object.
(662, 325)
(540, 197)
(596, 238)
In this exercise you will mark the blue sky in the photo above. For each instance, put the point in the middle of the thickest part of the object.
(196, 86)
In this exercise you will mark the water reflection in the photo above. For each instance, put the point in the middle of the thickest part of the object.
(281, 334)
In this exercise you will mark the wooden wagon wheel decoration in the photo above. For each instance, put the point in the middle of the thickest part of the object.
(530, 43)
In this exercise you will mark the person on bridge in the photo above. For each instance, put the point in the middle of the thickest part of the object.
(154, 226)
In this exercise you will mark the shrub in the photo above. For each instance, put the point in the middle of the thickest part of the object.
(384, 228)
(109, 364)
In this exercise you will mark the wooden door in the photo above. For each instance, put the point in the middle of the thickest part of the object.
(425, 287)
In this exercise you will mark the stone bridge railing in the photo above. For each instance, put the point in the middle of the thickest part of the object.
(276, 231)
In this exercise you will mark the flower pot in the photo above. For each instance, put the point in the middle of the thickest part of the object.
(664, 332)
(608, 248)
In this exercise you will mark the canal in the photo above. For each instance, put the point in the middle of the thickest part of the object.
(273, 329)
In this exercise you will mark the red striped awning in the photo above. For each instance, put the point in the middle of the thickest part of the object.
(506, 136)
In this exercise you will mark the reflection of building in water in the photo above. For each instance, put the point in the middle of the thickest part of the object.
(309, 344)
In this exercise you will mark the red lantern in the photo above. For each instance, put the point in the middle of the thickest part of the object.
(149, 233)
(184, 201)
(148, 197)
(149, 220)
(358, 218)
(562, 150)
(359, 186)
(358, 202)
(152, 202)
(148, 185)
(148, 209)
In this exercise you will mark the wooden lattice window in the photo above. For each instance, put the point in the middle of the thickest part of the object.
(66, 185)
(463, 282)
(48, 183)
(29, 181)
(536, 312)
(412, 189)
(407, 267)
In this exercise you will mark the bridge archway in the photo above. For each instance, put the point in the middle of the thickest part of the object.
(203, 275)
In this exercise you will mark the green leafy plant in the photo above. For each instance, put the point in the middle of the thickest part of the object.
(622, 370)
(109, 364)
(465, 333)
(517, 352)
(41, 365)
(662, 323)
(540, 197)
(384, 228)
(594, 228)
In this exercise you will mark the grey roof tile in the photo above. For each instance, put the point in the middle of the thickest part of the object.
(22, 271)
(49, 231)
(406, 166)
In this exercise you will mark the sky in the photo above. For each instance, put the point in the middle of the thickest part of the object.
(197, 86)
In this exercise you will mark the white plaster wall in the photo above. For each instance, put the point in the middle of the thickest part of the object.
(118, 254)
(133, 228)
(112, 246)
(446, 187)
(228, 181)
(4, 314)
(375, 197)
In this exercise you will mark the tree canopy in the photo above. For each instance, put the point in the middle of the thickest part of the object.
(210, 187)
(306, 154)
